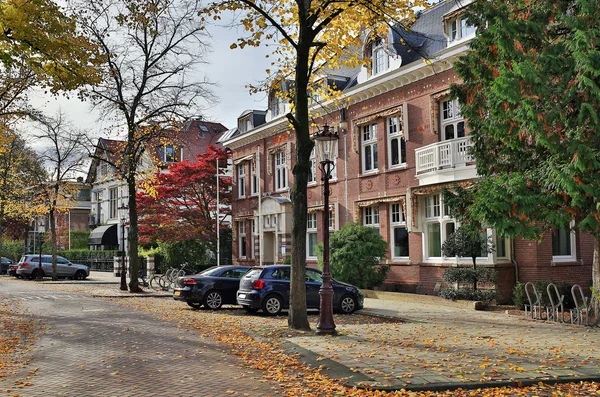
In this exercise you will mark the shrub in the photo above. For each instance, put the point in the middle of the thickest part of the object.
(483, 295)
(519, 297)
(12, 249)
(355, 257)
(469, 275)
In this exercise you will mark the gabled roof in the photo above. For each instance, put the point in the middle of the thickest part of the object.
(105, 148)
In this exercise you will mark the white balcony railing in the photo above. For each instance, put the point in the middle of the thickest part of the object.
(446, 154)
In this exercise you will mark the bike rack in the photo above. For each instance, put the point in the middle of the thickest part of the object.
(557, 307)
(582, 306)
(535, 307)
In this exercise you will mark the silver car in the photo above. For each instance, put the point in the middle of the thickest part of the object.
(29, 266)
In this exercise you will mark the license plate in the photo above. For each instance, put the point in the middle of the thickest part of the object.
(177, 293)
(241, 296)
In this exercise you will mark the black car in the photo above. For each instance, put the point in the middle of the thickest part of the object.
(267, 288)
(212, 288)
(4, 265)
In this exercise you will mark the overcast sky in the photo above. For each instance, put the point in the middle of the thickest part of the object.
(230, 69)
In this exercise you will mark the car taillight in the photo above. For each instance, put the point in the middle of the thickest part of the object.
(24, 264)
(258, 284)
(189, 281)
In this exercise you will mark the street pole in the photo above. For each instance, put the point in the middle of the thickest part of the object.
(123, 267)
(218, 223)
(326, 147)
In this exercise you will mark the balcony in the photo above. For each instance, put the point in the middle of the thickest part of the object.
(445, 161)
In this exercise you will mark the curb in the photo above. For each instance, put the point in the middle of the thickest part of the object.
(440, 387)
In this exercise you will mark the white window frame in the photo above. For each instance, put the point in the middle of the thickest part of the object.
(311, 229)
(395, 132)
(451, 115)
(572, 240)
(436, 213)
(253, 179)
(371, 216)
(175, 150)
(241, 179)
(113, 200)
(379, 57)
(281, 176)
(312, 176)
(458, 29)
(242, 248)
(368, 139)
(397, 221)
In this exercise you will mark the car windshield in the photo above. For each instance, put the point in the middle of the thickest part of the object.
(211, 271)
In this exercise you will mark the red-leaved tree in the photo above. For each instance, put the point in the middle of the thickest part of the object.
(183, 205)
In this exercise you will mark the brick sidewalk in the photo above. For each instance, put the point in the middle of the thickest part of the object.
(440, 347)
(108, 352)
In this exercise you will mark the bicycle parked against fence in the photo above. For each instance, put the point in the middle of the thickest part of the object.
(167, 281)
(142, 280)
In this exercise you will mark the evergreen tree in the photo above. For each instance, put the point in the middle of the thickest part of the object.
(530, 92)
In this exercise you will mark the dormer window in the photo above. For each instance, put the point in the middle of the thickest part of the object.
(245, 124)
(379, 57)
(458, 29)
(172, 154)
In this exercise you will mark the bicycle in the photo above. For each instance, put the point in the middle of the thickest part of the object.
(142, 281)
(167, 281)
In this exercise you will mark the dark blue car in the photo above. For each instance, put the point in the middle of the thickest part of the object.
(267, 288)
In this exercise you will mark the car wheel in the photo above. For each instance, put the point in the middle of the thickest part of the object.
(347, 304)
(213, 300)
(271, 305)
(79, 275)
(250, 309)
(34, 274)
(194, 305)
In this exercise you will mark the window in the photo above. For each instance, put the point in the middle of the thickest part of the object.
(399, 232)
(241, 182)
(379, 57)
(311, 235)
(459, 29)
(333, 170)
(563, 243)
(369, 148)
(172, 154)
(452, 123)
(396, 142)
(312, 171)
(98, 199)
(112, 205)
(253, 179)
(437, 225)
(280, 171)
(242, 239)
(371, 217)
(500, 247)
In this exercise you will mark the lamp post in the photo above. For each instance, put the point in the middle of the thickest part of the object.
(123, 286)
(326, 148)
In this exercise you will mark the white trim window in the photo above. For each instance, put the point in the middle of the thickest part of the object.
(398, 232)
(253, 179)
(452, 123)
(242, 239)
(371, 216)
(172, 154)
(113, 195)
(563, 244)
(311, 236)
(369, 148)
(396, 142)
(437, 225)
(379, 57)
(241, 179)
(459, 29)
(312, 171)
(281, 179)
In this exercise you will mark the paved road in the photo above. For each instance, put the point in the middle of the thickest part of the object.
(97, 348)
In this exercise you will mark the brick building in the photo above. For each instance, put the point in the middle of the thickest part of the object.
(405, 140)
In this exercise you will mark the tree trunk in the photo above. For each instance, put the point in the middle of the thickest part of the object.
(133, 235)
(596, 274)
(474, 269)
(298, 318)
(53, 243)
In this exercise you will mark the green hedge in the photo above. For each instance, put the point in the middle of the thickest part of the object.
(483, 295)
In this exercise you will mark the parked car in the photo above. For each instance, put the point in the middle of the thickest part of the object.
(29, 267)
(212, 288)
(12, 270)
(267, 288)
(4, 265)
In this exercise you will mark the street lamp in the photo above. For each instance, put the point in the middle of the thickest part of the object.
(123, 267)
(326, 149)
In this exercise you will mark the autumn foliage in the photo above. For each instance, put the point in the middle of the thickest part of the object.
(183, 202)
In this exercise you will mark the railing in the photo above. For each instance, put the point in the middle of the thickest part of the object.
(446, 154)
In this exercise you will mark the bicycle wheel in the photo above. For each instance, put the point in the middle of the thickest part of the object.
(154, 283)
(164, 283)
